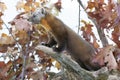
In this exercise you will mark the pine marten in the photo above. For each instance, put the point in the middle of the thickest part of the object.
(64, 38)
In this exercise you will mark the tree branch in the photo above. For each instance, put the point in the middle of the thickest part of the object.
(67, 62)
(99, 30)
(72, 66)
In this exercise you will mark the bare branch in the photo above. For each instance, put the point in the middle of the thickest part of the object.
(99, 30)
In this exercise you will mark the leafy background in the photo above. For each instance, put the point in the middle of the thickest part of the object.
(19, 37)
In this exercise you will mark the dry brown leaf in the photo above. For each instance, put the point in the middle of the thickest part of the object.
(22, 24)
(109, 57)
(37, 4)
(58, 5)
(2, 7)
(2, 64)
(37, 75)
(6, 69)
(20, 5)
(23, 36)
(5, 39)
(30, 66)
(41, 53)
(27, 8)
(99, 58)
(57, 65)
(116, 35)
(1, 23)
(106, 57)
(3, 48)
(95, 44)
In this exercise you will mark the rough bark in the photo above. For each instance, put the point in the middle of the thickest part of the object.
(72, 71)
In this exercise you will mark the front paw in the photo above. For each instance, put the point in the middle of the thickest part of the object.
(56, 49)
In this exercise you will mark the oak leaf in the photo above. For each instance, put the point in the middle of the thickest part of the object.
(22, 36)
(57, 65)
(20, 5)
(109, 58)
(2, 64)
(2, 7)
(22, 24)
(106, 57)
(5, 39)
(58, 5)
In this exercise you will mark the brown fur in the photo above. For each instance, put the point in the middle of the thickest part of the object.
(66, 38)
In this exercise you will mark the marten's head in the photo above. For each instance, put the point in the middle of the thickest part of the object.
(37, 15)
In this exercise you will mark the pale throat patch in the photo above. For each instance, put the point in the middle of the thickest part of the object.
(37, 15)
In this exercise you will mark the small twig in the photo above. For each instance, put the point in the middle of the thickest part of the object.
(79, 1)
(23, 68)
(79, 20)
(99, 30)
(12, 36)
(25, 56)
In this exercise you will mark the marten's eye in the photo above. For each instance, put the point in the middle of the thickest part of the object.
(34, 15)
(42, 11)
